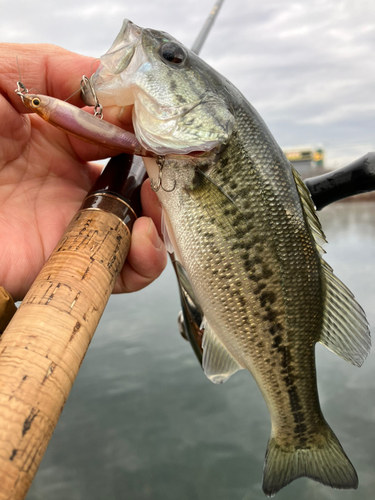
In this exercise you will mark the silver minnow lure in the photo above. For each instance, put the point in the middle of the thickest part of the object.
(244, 229)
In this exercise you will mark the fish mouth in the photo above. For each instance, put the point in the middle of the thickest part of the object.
(163, 127)
(107, 80)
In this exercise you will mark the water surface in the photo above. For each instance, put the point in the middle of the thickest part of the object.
(142, 421)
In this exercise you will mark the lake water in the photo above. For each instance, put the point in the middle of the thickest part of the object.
(142, 421)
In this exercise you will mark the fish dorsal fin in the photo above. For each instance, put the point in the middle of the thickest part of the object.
(218, 363)
(345, 328)
(164, 231)
(309, 211)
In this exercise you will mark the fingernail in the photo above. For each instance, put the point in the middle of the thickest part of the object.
(153, 235)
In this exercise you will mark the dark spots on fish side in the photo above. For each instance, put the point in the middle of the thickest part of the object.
(276, 341)
(180, 98)
(242, 301)
(270, 316)
(248, 265)
(294, 399)
(298, 417)
(208, 235)
(272, 330)
(254, 277)
(267, 298)
(237, 220)
(14, 453)
(267, 273)
(244, 245)
(284, 358)
(233, 185)
(260, 287)
(276, 327)
(173, 85)
(288, 379)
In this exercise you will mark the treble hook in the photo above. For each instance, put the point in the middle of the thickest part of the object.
(21, 90)
(98, 109)
(155, 186)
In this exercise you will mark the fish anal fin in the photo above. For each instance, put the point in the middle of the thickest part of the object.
(326, 463)
(218, 363)
(345, 328)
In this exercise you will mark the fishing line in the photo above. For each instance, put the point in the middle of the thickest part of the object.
(80, 88)
(74, 93)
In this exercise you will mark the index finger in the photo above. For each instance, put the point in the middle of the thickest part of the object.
(49, 69)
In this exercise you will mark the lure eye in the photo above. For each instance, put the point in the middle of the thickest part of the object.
(173, 53)
(35, 102)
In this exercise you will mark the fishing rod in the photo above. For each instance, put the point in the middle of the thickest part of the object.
(44, 344)
(356, 178)
(201, 38)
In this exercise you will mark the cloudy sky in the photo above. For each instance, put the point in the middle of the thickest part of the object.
(307, 66)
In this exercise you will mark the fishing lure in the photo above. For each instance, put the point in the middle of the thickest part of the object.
(81, 124)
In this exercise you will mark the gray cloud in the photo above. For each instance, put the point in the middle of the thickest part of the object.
(306, 66)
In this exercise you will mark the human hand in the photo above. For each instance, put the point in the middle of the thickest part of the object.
(45, 174)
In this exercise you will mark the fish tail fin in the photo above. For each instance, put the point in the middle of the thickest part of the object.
(324, 461)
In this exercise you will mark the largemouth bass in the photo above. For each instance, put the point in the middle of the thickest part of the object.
(242, 225)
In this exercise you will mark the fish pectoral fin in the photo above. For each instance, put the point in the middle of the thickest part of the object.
(191, 316)
(345, 328)
(218, 364)
(164, 231)
(326, 462)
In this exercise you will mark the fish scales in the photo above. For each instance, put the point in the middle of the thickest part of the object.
(244, 228)
(243, 270)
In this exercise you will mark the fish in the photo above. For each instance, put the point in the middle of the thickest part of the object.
(243, 228)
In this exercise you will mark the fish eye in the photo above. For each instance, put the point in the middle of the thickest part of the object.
(173, 53)
(36, 101)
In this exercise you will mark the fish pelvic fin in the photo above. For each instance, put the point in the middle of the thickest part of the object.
(325, 462)
(218, 364)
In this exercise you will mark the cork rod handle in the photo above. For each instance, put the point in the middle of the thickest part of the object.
(44, 345)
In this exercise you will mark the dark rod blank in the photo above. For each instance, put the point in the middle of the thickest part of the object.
(357, 177)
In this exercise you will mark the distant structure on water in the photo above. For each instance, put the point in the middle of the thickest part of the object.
(308, 159)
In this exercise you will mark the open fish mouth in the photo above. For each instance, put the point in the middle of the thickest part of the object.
(105, 83)
(140, 70)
